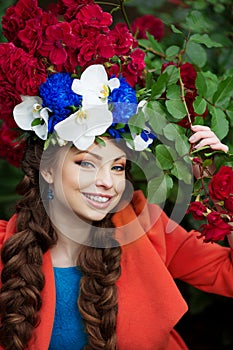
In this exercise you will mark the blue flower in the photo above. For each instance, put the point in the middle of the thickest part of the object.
(57, 95)
(124, 102)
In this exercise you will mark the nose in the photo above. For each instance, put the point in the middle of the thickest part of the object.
(104, 178)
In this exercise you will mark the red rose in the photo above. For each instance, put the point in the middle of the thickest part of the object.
(93, 16)
(221, 184)
(87, 52)
(24, 72)
(188, 75)
(122, 39)
(9, 98)
(10, 149)
(228, 204)
(31, 36)
(57, 37)
(105, 47)
(197, 209)
(132, 71)
(16, 17)
(216, 229)
(82, 34)
(150, 24)
(70, 8)
(29, 80)
(6, 51)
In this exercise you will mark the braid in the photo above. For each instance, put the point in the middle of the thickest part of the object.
(98, 293)
(22, 256)
(23, 279)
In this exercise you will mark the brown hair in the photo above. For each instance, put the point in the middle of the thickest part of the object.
(23, 279)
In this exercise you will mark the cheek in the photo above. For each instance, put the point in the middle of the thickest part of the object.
(120, 185)
(82, 179)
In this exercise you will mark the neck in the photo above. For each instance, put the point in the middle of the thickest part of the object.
(65, 252)
(72, 233)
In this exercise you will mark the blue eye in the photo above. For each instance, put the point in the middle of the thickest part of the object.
(118, 168)
(85, 164)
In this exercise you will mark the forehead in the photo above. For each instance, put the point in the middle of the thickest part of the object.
(107, 149)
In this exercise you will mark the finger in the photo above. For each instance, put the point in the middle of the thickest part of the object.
(220, 147)
(200, 128)
(211, 142)
(204, 134)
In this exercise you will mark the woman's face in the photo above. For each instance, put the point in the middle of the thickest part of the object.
(91, 182)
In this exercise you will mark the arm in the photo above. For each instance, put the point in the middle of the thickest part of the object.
(207, 266)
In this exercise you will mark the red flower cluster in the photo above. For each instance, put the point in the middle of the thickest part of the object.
(39, 43)
(150, 24)
(11, 149)
(82, 39)
(218, 208)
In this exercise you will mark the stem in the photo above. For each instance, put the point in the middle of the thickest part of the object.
(107, 3)
(183, 98)
(152, 50)
(122, 7)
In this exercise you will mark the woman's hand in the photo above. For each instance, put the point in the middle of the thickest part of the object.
(206, 137)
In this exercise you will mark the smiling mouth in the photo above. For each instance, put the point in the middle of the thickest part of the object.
(97, 199)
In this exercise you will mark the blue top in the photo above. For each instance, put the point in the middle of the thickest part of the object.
(68, 329)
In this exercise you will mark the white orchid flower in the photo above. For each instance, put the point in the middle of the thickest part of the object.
(84, 125)
(94, 86)
(26, 113)
(139, 144)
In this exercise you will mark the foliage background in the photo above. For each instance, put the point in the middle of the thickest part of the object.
(207, 325)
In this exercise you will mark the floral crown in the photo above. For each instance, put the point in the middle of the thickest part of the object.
(70, 80)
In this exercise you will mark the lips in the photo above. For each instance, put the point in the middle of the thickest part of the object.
(98, 200)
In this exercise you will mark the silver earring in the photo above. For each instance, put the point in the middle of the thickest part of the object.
(50, 194)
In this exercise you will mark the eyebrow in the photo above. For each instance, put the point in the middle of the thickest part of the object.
(99, 157)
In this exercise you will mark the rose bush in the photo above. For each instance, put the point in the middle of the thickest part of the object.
(171, 61)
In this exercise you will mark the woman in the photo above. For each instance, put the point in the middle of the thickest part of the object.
(80, 233)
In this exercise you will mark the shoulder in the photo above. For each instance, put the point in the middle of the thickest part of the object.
(7, 228)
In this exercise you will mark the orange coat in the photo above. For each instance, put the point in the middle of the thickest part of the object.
(149, 302)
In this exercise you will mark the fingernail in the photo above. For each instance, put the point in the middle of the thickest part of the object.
(192, 138)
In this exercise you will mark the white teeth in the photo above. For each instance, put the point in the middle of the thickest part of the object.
(97, 198)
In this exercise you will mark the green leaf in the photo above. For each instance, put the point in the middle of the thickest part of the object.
(173, 74)
(173, 92)
(205, 40)
(159, 87)
(172, 131)
(172, 51)
(156, 115)
(211, 84)
(36, 121)
(198, 121)
(199, 105)
(175, 30)
(197, 54)
(158, 189)
(219, 123)
(165, 156)
(176, 133)
(182, 171)
(176, 108)
(201, 84)
(137, 122)
(224, 92)
(154, 43)
(197, 22)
